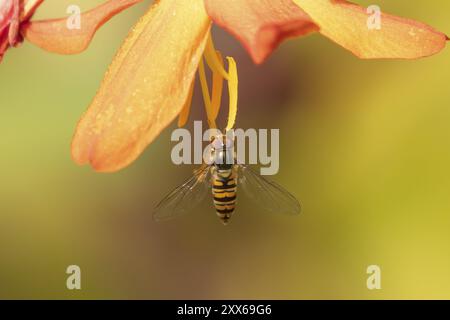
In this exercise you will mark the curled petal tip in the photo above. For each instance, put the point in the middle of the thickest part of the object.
(260, 25)
(270, 37)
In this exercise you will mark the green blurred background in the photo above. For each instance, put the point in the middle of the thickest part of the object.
(364, 144)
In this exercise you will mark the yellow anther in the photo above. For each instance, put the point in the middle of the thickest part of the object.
(184, 115)
(213, 60)
(233, 92)
(213, 100)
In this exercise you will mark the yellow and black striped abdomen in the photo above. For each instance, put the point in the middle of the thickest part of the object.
(224, 188)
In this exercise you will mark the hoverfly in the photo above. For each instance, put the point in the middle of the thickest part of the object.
(222, 178)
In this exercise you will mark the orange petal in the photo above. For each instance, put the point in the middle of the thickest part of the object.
(55, 36)
(261, 25)
(145, 87)
(346, 24)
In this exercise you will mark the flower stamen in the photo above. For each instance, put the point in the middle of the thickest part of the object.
(206, 95)
(212, 101)
(217, 89)
(233, 92)
(213, 61)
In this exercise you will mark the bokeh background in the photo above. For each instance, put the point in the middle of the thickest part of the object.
(364, 144)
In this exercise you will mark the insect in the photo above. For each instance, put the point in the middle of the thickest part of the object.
(222, 178)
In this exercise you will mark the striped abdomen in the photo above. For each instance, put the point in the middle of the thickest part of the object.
(224, 191)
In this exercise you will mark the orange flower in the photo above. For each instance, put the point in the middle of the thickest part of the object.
(150, 81)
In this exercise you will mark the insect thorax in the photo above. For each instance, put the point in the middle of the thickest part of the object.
(222, 153)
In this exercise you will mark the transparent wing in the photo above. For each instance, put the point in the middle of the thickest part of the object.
(185, 197)
(268, 195)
